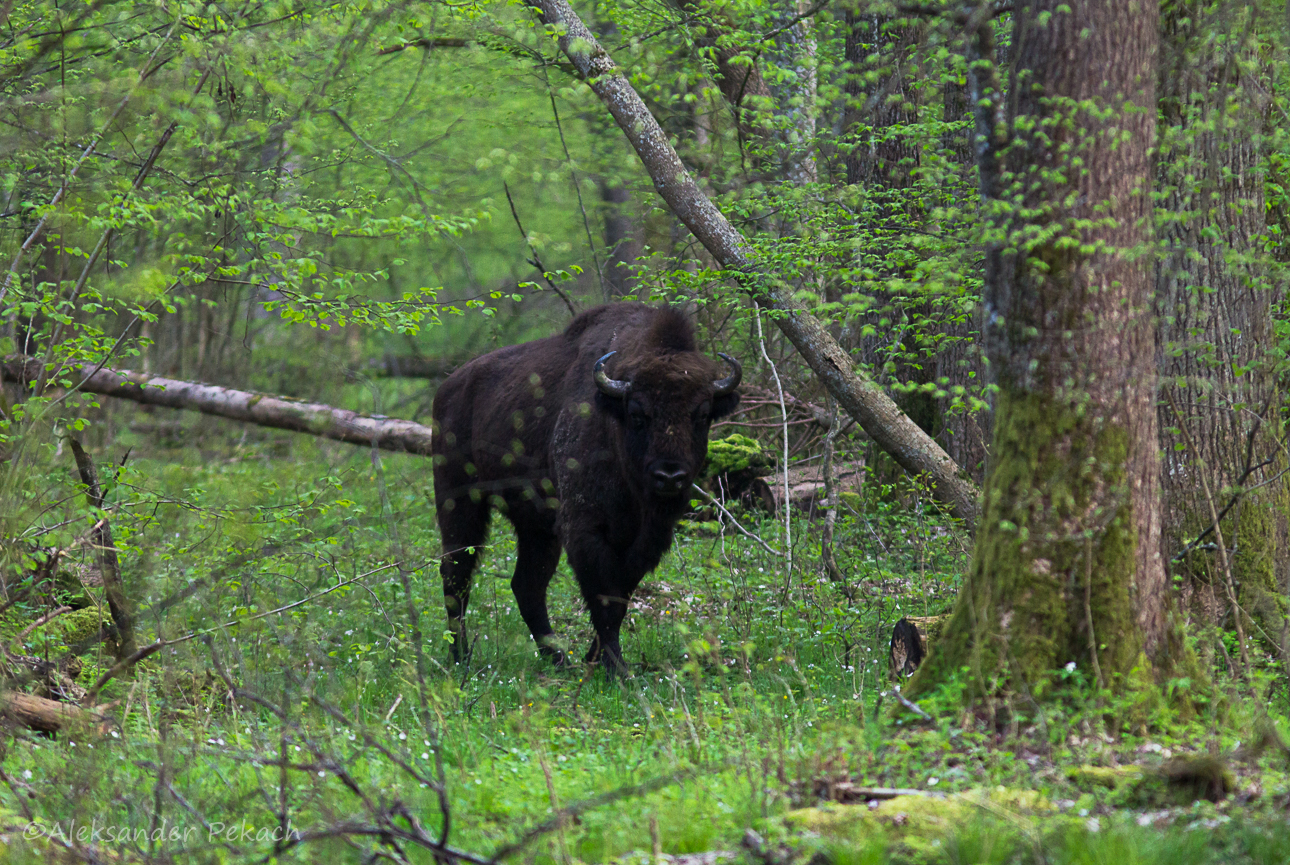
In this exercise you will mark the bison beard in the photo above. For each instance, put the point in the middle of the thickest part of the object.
(586, 441)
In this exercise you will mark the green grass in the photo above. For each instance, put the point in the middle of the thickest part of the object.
(751, 691)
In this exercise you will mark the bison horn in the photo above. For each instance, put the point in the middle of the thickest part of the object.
(607, 385)
(723, 386)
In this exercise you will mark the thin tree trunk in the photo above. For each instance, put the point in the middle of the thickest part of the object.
(912, 448)
(801, 144)
(621, 238)
(313, 419)
(1067, 566)
(878, 158)
(109, 566)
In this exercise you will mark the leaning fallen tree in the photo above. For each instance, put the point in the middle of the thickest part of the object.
(875, 411)
(277, 412)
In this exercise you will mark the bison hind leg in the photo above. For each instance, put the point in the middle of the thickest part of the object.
(463, 529)
(537, 555)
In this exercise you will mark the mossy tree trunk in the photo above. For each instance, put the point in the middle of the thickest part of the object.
(1219, 400)
(1067, 564)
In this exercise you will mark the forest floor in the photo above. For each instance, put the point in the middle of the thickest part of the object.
(760, 720)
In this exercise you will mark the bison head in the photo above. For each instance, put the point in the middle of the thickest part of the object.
(665, 405)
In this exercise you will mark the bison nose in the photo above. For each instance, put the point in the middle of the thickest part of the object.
(669, 480)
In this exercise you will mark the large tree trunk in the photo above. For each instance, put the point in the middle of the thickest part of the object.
(311, 418)
(1067, 565)
(1219, 400)
(912, 448)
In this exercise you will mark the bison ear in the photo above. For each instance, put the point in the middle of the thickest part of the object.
(724, 404)
(611, 405)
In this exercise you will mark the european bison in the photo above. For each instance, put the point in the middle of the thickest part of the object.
(588, 440)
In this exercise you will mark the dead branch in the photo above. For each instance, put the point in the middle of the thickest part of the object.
(13, 644)
(439, 42)
(818, 414)
(314, 419)
(125, 664)
(710, 499)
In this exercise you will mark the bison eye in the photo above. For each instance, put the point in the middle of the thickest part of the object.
(638, 420)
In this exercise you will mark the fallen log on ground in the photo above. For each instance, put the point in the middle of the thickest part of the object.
(47, 716)
(278, 412)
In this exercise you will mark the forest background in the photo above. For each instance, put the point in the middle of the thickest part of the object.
(339, 203)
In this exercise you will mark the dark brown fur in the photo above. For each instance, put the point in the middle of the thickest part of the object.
(525, 430)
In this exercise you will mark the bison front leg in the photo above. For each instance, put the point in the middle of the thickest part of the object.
(606, 578)
(607, 613)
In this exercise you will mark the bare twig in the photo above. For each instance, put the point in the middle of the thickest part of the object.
(535, 260)
(577, 187)
(565, 814)
(1088, 611)
(913, 707)
(1237, 612)
(36, 624)
(830, 500)
(710, 499)
(1239, 485)
(125, 664)
(788, 504)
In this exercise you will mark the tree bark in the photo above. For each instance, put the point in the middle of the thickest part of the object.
(313, 419)
(1215, 302)
(878, 158)
(1067, 566)
(912, 448)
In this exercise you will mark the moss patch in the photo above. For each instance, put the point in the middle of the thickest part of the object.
(63, 631)
(1088, 778)
(735, 453)
(918, 826)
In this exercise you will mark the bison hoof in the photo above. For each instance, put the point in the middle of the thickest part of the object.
(555, 656)
(611, 658)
